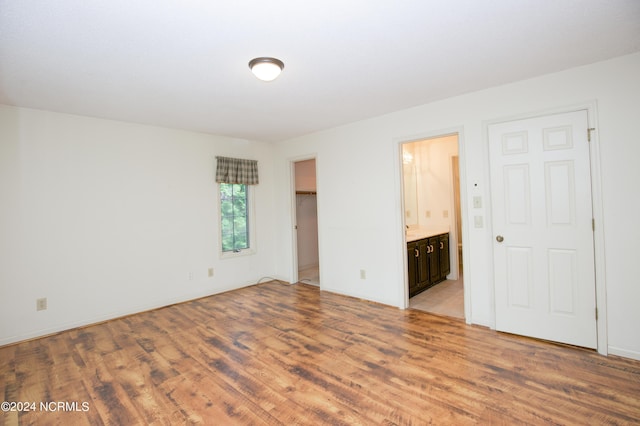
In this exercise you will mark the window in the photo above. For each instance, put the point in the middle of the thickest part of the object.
(236, 176)
(234, 213)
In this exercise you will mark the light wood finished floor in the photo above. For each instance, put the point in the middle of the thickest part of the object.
(279, 354)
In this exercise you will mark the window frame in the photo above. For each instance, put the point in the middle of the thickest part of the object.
(251, 249)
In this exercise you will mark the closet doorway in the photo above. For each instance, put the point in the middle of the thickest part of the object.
(306, 222)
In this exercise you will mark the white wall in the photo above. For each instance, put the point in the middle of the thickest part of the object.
(107, 218)
(358, 172)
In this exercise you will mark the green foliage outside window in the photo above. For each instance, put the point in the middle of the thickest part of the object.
(235, 218)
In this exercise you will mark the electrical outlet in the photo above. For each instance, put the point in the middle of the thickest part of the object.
(190, 276)
(363, 274)
(41, 304)
(210, 272)
(445, 213)
(427, 214)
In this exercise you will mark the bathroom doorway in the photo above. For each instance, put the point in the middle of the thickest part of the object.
(306, 222)
(431, 187)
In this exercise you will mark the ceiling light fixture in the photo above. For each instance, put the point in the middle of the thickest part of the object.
(266, 69)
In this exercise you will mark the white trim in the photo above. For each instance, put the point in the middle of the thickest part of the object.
(598, 214)
(293, 224)
(623, 352)
(464, 222)
(403, 293)
(598, 233)
(453, 230)
(403, 286)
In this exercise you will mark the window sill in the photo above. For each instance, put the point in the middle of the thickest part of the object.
(234, 254)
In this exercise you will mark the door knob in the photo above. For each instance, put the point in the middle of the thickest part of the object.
(499, 238)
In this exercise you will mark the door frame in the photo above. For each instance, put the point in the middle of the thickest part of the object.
(597, 207)
(468, 277)
(294, 230)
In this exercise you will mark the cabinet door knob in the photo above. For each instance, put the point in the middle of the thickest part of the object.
(499, 238)
(417, 252)
(441, 245)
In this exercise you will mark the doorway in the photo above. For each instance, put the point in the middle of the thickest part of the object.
(306, 222)
(431, 206)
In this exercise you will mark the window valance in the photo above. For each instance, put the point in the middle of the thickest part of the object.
(236, 170)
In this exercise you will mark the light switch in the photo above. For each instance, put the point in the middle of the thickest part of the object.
(477, 202)
(478, 221)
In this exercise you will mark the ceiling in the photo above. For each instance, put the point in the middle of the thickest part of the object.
(183, 63)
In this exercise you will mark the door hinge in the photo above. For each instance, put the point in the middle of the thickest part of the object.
(596, 314)
(589, 130)
(593, 224)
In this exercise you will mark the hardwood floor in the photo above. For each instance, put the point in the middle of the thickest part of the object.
(279, 354)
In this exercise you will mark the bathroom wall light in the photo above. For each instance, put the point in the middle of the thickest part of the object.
(266, 69)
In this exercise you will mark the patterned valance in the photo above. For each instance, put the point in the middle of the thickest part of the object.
(237, 170)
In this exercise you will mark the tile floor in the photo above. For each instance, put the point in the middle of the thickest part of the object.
(445, 298)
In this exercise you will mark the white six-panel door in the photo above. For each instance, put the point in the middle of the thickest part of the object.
(542, 223)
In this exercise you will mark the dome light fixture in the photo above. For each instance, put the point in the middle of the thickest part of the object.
(266, 69)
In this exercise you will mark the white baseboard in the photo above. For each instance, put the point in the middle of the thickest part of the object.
(624, 353)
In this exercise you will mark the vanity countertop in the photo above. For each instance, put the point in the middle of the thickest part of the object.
(415, 234)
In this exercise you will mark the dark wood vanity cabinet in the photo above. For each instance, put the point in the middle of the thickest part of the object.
(418, 266)
(428, 262)
(445, 265)
(433, 256)
(412, 254)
